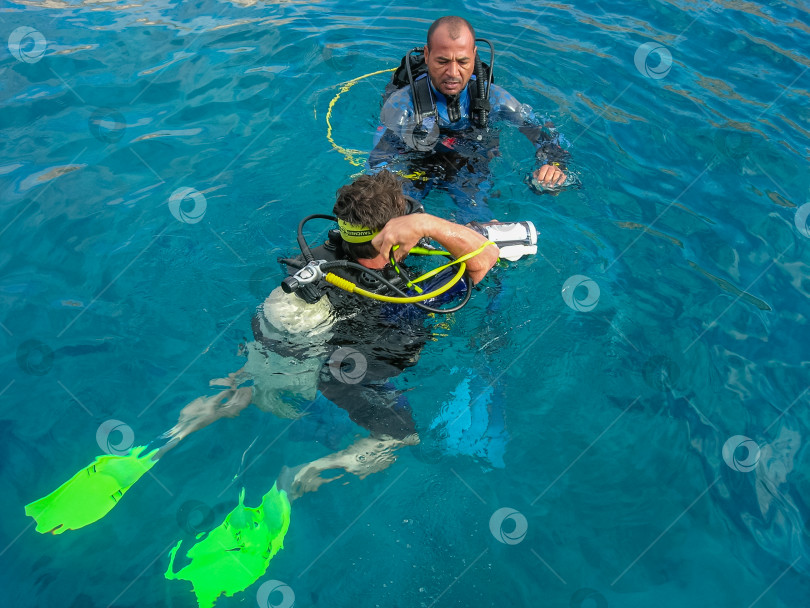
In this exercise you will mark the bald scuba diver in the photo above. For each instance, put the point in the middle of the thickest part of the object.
(438, 123)
(349, 317)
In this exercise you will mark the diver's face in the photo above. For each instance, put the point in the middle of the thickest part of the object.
(450, 62)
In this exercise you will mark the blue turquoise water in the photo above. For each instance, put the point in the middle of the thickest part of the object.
(689, 222)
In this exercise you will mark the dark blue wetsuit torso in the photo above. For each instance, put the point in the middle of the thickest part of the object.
(459, 160)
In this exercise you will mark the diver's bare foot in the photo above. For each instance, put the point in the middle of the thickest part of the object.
(234, 380)
(302, 479)
(237, 401)
(203, 411)
(365, 456)
(222, 383)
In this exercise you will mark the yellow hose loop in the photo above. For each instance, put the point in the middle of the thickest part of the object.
(460, 260)
(355, 157)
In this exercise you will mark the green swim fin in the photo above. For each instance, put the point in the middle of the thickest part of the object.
(235, 554)
(91, 493)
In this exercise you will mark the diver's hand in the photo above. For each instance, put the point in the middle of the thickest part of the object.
(549, 175)
(405, 231)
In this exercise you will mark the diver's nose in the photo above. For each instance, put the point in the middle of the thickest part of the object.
(453, 70)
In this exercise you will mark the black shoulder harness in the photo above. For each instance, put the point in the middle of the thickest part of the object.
(413, 72)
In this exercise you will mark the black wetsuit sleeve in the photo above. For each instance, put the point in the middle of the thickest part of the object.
(545, 137)
(547, 148)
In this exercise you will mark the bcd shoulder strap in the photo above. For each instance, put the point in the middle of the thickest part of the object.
(424, 104)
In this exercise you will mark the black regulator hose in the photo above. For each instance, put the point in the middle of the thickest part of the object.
(491, 63)
(410, 81)
(482, 114)
(481, 104)
(302, 242)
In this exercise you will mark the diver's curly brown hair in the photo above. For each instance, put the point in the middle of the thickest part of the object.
(371, 200)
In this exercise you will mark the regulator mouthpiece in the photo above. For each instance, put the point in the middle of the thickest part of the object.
(514, 239)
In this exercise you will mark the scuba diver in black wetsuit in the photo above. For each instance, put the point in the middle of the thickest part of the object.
(435, 123)
(314, 335)
(378, 340)
(354, 295)
(349, 317)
